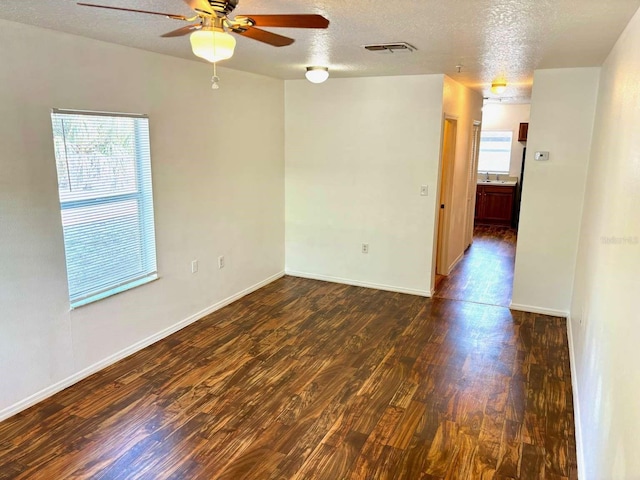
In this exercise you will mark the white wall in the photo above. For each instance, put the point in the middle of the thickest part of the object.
(508, 117)
(215, 193)
(465, 105)
(605, 322)
(357, 151)
(562, 112)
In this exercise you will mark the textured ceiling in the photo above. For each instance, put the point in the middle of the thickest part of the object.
(489, 38)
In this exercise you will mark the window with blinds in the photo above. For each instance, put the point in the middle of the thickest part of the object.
(495, 151)
(104, 182)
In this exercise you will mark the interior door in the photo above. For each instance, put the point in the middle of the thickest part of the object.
(472, 199)
(446, 176)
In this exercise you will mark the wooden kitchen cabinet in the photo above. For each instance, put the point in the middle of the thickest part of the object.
(494, 204)
(523, 132)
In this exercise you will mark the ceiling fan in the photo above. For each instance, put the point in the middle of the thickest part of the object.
(209, 35)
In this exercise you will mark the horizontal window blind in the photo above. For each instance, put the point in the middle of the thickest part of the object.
(104, 183)
(495, 151)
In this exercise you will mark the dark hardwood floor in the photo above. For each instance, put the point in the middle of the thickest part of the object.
(306, 379)
(485, 273)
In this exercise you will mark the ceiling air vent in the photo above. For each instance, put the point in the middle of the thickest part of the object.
(391, 47)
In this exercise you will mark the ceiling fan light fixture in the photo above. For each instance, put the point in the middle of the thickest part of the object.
(317, 74)
(212, 44)
(499, 87)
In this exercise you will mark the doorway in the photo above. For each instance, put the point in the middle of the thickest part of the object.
(494, 172)
(485, 272)
(446, 179)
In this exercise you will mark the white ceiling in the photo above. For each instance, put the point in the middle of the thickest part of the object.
(490, 38)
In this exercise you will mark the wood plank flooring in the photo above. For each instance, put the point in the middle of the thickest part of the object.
(485, 273)
(312, 380)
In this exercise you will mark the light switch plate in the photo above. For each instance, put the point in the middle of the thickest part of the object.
(424, 190)
(542, 156)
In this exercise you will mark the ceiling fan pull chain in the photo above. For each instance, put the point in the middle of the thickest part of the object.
(215, 80)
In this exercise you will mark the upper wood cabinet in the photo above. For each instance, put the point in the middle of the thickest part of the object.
(522, 133)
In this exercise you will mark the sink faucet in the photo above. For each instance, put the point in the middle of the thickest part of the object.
(497, 177)
(486, 176)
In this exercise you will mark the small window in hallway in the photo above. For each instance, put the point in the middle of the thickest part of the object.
(495, 151)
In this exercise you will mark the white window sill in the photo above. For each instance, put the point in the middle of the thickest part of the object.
(113, 291)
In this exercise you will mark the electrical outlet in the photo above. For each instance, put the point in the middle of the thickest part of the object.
(221, 261)
(424, 190)
(365, 248)
(194, 266)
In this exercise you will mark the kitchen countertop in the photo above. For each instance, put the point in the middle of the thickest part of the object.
(505, 183)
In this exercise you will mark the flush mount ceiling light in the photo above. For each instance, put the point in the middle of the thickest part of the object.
(317, 74)
(498, 87)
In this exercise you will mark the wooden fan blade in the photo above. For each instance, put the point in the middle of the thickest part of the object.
(168, 15)
(290, 21)
(183, 30)
(267, 37)
(200, 6)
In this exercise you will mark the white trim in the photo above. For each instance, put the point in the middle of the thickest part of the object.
(540, 310)
(66, 111)
(576, 401)
(76, 377)
(357, 283)
(123, 287)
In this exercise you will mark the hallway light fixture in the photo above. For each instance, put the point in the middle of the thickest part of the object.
(498, 87)
(317, 74)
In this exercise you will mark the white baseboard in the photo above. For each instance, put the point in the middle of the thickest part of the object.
(96, 367)
(356, 283)
(576, 402)
(540, 310)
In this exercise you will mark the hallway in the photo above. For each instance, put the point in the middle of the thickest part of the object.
(485, 273)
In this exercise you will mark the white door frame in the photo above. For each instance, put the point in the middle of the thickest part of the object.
(472, 182)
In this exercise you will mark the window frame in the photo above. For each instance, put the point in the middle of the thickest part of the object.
(143, 196)
(510, 152)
